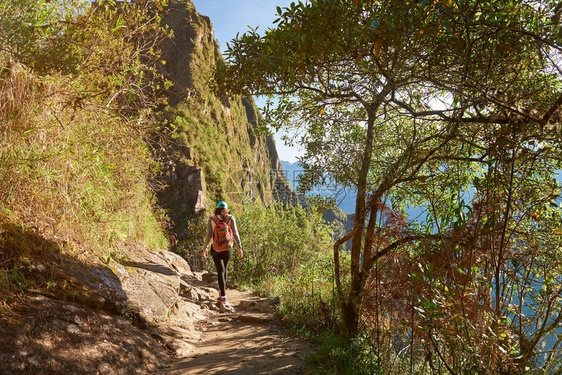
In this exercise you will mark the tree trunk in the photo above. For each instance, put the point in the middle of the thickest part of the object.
(352, 307)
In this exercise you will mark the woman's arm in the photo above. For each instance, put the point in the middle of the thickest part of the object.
(208, 237)
(236, 236)
(235, 231)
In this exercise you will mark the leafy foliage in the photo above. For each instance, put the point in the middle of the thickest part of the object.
(450, 106)
(286, 254)
(279, 240)
(77, 88)
(38, 33)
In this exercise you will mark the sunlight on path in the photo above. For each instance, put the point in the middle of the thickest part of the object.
(244, 343)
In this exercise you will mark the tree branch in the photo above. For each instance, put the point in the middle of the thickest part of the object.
(403, 241)
(337, 245)
(441, 114)
(551, 110)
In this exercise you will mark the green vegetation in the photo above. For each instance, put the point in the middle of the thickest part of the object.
(450, 106)
(287, 255)
(358, 356)
(74, 164)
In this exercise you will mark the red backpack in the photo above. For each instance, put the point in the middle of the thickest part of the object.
(222, 234)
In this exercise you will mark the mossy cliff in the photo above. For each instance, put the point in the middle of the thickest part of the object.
(211, 147)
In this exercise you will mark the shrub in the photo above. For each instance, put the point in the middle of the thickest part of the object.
(288, 254)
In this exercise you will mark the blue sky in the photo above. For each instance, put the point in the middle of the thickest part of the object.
(234, 16)
(230, 17)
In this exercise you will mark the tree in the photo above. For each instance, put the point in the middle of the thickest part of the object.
(36, 33)
(409, 101)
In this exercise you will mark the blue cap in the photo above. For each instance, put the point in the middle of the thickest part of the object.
(222, 204)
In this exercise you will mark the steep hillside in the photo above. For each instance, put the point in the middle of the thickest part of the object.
(211, 148)
(86, 282)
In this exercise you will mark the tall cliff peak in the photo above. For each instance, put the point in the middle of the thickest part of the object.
(213, 149)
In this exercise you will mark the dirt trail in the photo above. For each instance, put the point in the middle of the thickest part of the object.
(243, 342)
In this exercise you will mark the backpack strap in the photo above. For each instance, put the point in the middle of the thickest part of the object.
(217, 220)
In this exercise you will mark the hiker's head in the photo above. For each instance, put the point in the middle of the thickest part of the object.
(222, 208)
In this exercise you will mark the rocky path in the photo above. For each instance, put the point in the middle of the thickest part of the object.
(243, 337)
(149, 314)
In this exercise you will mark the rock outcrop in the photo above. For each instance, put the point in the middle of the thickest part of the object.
(130, 317)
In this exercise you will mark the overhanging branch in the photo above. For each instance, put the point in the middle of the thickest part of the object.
(441, 114)
(404, 241)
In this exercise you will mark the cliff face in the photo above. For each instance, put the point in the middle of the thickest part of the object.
(210, 146)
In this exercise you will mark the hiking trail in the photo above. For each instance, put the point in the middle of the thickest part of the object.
(244, 337)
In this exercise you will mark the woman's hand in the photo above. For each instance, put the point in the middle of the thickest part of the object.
(205, 253)
(240, 252)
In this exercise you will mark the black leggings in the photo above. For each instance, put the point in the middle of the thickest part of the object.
(221, 261)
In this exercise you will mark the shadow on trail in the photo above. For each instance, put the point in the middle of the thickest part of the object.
(244, 348)
(57, 310)
(251, 353)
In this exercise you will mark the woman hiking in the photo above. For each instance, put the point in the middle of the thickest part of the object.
(221, 229)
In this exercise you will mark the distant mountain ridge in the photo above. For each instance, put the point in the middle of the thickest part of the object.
(345, 199)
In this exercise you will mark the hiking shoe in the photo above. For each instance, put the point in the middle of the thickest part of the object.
(221, 299)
